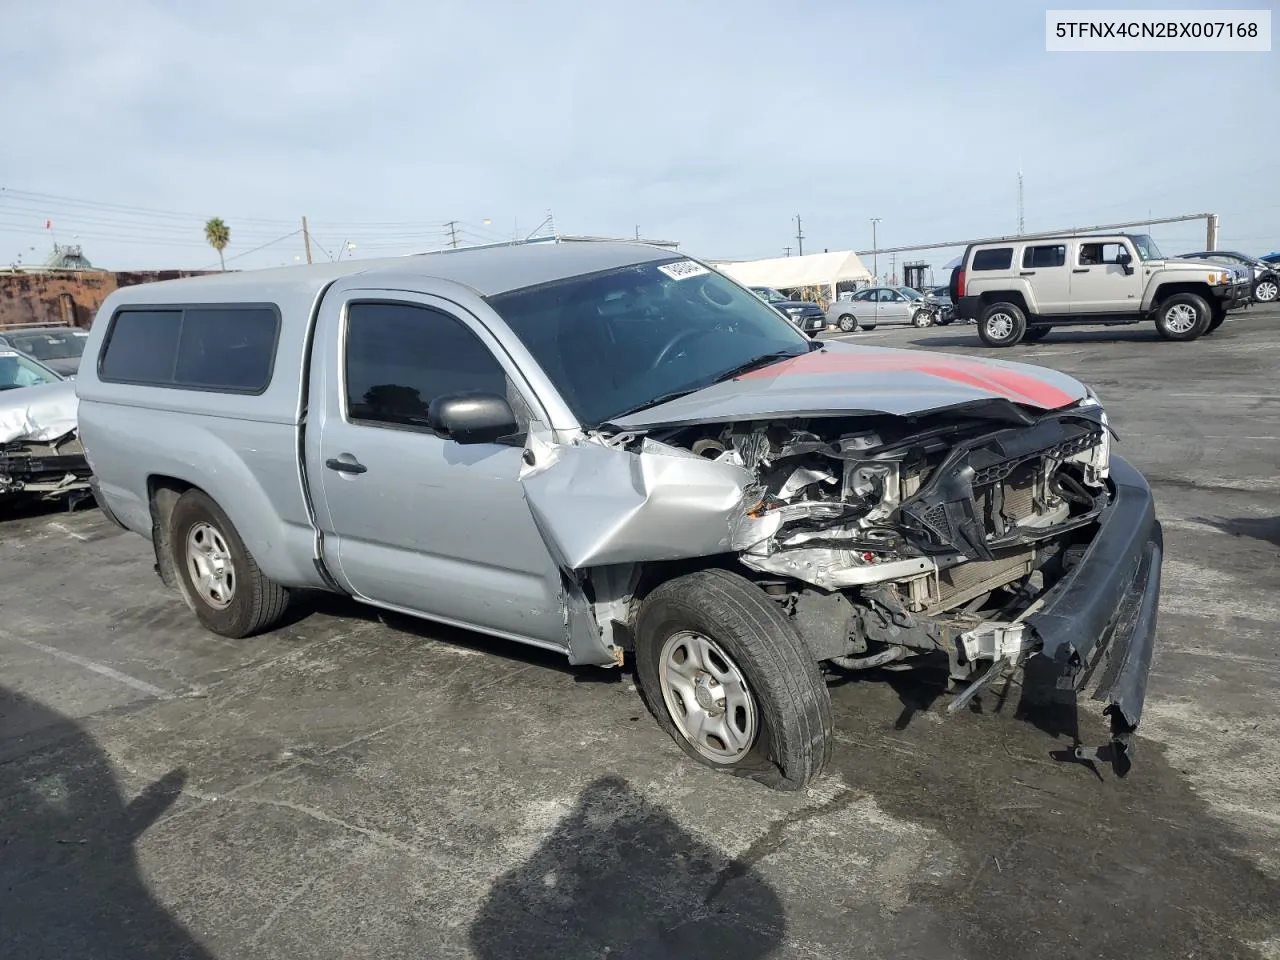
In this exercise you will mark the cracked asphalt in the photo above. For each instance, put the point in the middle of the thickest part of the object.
(353, 786)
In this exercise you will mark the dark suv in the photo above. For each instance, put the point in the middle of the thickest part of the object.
(808, 317)
(1266, 276)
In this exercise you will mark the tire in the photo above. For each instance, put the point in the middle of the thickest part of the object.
(252, 602)
(847, 323)
(1266, 290)
(1036, 334)
(1002, 325)
(784, 710)
(922, 318)
(1183, 317)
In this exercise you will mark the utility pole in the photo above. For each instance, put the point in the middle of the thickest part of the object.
(893, 269)
(799, 237)
(306, 239)
(637, 231)
(875, 268)
(453, 233)
(788, 250)
(1020, 224)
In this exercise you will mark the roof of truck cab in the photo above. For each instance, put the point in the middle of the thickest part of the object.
(487, 272)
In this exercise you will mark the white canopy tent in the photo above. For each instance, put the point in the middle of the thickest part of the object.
(788, 273)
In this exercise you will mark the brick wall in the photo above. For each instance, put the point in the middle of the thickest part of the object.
(68, 296)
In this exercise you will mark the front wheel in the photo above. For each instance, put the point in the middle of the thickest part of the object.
(921, 318)
(1002, 325)
(1266, 290)
(847, 323)
(726, 675)
(1183, 317)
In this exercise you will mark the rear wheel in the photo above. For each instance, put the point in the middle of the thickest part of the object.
(1183, 317)
(1002, 325)
(727, 677)
(218, 576)
(847, 322)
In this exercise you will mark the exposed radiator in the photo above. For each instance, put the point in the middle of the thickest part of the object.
(961, 583)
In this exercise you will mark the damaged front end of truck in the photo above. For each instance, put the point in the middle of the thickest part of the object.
(992, 535)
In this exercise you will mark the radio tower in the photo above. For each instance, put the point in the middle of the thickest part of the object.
(1020, 220)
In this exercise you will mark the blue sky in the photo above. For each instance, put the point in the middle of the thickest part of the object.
(710, 124)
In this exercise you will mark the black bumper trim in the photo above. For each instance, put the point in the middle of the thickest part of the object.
(1099, 621)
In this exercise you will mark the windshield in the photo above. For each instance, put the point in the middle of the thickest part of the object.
(910, 293)
(773, 296)
(1147, 249)
(620, 340)
(48, 346)
(19, 371)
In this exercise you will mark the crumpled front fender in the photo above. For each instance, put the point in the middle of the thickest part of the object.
(596, 504)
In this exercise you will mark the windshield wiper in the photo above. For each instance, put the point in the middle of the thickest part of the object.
(756, 364)
(753, 364)
(656, 401)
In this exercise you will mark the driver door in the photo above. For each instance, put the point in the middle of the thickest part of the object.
(412, 520)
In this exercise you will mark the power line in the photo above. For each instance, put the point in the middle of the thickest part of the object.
(108, 212)
(270, 243)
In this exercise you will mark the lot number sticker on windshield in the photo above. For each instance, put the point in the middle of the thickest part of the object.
(683, 269)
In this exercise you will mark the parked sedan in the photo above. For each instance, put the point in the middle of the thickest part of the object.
(1265, 276)
(873, 306)
(57, 348)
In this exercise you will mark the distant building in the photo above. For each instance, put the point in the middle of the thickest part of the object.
(63, 257)
(66, 288)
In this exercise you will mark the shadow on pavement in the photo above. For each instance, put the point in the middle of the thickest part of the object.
(1138, 334)
(619, 878)
(1259, 528)
(309, 603)
(1058, 856)
(69, 880)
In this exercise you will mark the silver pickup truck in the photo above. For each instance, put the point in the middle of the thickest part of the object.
(618, 453)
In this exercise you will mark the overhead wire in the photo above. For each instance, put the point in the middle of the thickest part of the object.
(269, 243)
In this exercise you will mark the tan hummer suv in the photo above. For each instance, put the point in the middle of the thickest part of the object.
(1018, 289)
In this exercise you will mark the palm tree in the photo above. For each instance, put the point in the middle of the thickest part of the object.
(219, 235)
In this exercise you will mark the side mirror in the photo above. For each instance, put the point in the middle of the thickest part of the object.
(1125, 260)
(472, 417)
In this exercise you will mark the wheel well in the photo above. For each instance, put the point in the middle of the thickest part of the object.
(1006, 296)
(652, 574)
(1167, 290)
(162, 493)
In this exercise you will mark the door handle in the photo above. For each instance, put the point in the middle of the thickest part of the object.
(350, 465)
(1081, 270)
(1027, 273)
